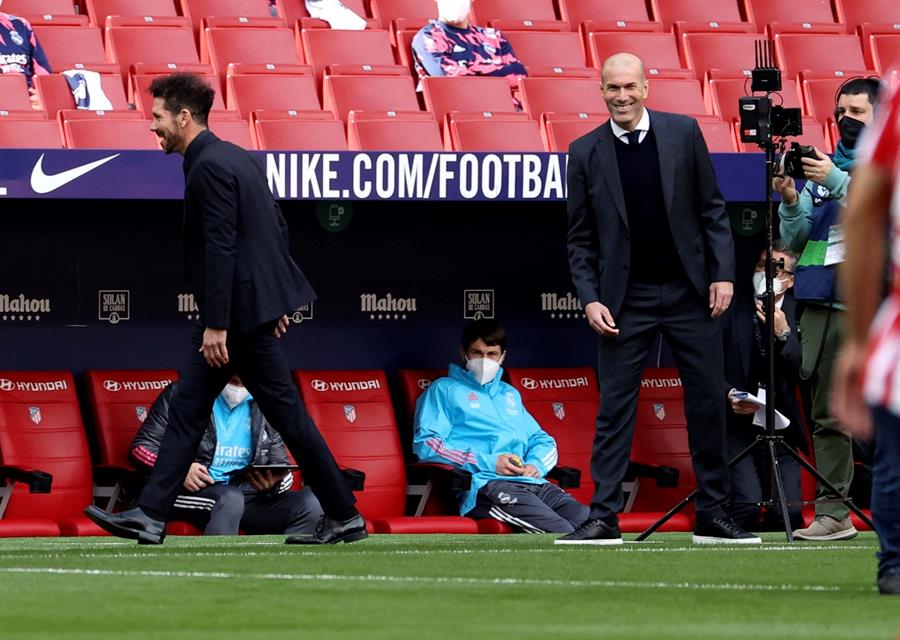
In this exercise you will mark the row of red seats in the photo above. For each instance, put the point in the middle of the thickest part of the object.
(538, 14)
(41, 428)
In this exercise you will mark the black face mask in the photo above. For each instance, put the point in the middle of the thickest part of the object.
(850, 128)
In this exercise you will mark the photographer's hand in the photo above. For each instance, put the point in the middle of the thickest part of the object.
(786, 186)
(817, 170)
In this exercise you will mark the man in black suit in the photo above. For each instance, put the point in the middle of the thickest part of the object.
(650, 251)
(245, 282)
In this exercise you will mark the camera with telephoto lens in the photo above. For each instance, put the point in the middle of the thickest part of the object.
(792, 160)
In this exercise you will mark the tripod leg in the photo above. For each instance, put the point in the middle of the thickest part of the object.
(820, 478)
(779, 487)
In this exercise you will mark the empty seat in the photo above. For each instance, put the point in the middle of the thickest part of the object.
(820, 94)
(97, 10)
(368, 93)
(774, 28)
(353, 411)
(466, 94)
(885, 52)
(250, 46)
(129, 42)
(417, 131)
(721, 51)
(857, 12)
(560, 130)
(29, 134)
(196, 10)
(41, 428)
(403, 13)
(113, 130)
(139, 83)
(578, 11)
(251, 92)
(540, 50)
(497, 133)
(298, 134)
(766, 11)
(518, 13)
(817, 52)
(671, 11)
(719, 136)
(68, 48)
(561, 95)
(725, 94)
(232, 129)
(39, 7)
(327, 47)
(14, 94)
(677, 96)
(656, 50)
(55, 94)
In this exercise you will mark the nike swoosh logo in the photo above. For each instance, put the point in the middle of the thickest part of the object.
(44, 183)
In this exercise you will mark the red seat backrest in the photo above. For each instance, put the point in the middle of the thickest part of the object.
(99, 9)
(120, 401)
(467, 94)
(656, 50)
(353, 411)
(413, 383)
(698, 11)
(252, 92)
(561, 95)
(499, 133)
(300, 135)
(324, 47)
(547, 49)
(565, 403)
(560, 130)
(343, 94)
(578, 11)
(55, 94)
(766, 11)
(251, 46)
(798, 52)
(676, 95)
(857, 12)
(66, 47)
(885, 51)
(719, 137)
(41, 428)
(39, 7)
(724, 51)
(488, 10)
(394, 134)
(29, 134)
(128, 45)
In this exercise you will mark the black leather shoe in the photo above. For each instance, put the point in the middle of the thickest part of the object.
(592, 531)
(330, 531)
(723, 531)
(133, 524)
(889, 583)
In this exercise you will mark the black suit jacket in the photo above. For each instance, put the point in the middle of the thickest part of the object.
(236, 240)
(599, 239)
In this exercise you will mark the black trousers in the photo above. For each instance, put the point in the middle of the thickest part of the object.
(257, 358)
(682, 316)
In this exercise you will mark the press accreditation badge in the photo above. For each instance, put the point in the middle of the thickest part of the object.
(834, 254)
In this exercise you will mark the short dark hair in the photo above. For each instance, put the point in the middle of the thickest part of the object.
(185, 91)
(870, 87)
(489, 331)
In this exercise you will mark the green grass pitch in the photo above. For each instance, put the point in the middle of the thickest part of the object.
(431, 587)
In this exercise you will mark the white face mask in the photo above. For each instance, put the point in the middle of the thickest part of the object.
(454, 11)
(759, 284)
(484, 369)
(233, 395)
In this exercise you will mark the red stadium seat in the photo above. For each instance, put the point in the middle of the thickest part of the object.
(14, 93)
(228, 126)
(249, 92)
(561, 95)
(858, 12)
(819, 92)
(726, 52)
(110, 130)
(39, 7)
(866, 31)
(294, 10)
(41, 428)
(575, 12)
(220, 24)
(712, 26)
(766, 11)
(165, 40)
(542, 52)
(68, 48)
(885, 52)
(412, 383)
(97, 10)
(656, 50)
(466, 94)
(327, 47)
(139, 83)
(671, 11)
(300, 134)
(719, 137)
(676, 96)
(774, 28)
(513, 11)
(353, 411)
(724, 94)
(58, 20)
(29, 134)
(403, 13)
(501, 132)
(561, 129)
(250, 46)
(368, 93)
(817, 52)
(55, 94)
(196, 10)
(411, 131)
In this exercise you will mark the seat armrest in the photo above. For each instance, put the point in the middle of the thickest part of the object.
(38, 481)
(355, 478)
(107, 474)
(444, 475)
(565, 477)
(666, 477)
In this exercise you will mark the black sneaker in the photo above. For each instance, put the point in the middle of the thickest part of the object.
(723, 531)
(889, 583)
(330, 531)
(592, 531)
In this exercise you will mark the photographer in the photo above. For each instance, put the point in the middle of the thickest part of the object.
(810, 227)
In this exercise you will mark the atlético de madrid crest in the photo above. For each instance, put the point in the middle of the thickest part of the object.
(349, 413)
(659, 410)
(35, 414)
(559, 410)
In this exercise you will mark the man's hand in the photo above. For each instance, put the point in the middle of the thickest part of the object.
(214, 350)
(197, 478)
(505, 466)
(282, 326)
(847, 403)
(720, 294)
(530, 471)
(817, 170)
(263, 480)
(740, 407)
(781, 324)
(600, 319)
(786, 186)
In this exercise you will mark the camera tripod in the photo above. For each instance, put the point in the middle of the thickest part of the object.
(770, 441)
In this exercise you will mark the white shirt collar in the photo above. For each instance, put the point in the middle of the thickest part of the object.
(643, 126)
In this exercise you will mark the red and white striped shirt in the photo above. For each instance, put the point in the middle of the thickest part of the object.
(882, 380)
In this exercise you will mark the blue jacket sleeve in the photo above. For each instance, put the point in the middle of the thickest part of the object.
(433, 435)
(540, 449)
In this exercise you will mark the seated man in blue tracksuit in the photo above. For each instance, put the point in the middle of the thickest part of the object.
(476, 422)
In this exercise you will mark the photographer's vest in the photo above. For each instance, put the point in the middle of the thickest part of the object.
(816, 277)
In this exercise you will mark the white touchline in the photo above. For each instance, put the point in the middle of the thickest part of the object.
(439, 580)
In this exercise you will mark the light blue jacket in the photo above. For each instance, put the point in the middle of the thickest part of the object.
(463, 423)
(797, 218)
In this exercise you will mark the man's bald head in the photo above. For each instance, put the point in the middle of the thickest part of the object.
(624, 88)
(622, 62)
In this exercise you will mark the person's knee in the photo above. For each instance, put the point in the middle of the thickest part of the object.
(230, 504)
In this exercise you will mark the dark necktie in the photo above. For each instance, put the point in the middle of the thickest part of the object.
(634, 137)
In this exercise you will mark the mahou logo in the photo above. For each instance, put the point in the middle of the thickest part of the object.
(562, 306)
(22, 309)
(387, 307)
(187, 305)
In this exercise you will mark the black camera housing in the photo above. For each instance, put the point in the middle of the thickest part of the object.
(792, 159)
(784, 121)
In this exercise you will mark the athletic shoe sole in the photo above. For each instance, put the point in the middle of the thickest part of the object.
(716, 540)
(595, 542)
(95, 515)
(847, 534)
